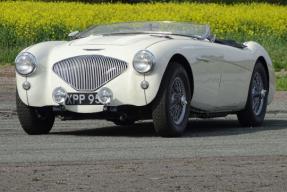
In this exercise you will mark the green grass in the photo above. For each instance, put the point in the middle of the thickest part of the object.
(277, 50)
(281, 83)
(25, 23)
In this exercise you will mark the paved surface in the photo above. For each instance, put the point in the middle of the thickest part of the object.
(213, 155)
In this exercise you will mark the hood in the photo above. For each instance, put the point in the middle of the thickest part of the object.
(122, 47)
(144, 40)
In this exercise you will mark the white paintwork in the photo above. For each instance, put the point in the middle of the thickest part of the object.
(221, 73)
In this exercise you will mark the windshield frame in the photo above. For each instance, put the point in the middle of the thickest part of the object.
(87, 32)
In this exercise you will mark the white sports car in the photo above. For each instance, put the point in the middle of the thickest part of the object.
(124, 72)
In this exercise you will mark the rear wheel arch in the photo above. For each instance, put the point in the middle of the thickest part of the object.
(262, 60)
(251, 116)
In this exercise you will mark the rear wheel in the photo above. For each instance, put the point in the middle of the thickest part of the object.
(255, 109)
(34, 120)
(171, 107)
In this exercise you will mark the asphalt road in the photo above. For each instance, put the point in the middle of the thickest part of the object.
(100, 140)
(213, 155)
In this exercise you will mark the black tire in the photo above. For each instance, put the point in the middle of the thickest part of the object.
(34, 120)
(250, 117)
(164, 124)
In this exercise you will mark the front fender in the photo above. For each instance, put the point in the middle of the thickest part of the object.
(164, 52)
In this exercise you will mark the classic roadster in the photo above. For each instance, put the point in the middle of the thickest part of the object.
(124, 72)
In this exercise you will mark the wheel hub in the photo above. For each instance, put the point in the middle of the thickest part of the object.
(183, 100)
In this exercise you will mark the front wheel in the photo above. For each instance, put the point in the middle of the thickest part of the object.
(34, 120)
(171, 107)
(255, 109)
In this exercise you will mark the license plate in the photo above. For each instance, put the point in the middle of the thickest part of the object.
(82, 99)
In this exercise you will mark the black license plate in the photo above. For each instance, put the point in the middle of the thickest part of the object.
(82, 99)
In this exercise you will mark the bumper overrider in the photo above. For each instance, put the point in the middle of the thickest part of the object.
(83, 84)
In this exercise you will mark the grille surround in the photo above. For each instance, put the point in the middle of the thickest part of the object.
(89, 72)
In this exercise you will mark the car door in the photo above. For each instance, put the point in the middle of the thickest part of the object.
(235, 76)
(221, 77)
(206, 75)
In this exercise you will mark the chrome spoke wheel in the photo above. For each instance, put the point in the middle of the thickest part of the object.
(170, 109)
(177, 101)
(255, 109)
(258, 94)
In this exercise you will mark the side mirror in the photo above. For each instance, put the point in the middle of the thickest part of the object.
(73, 34)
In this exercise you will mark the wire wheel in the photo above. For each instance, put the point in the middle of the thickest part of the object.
(177, 101)
(254, 112)
(170, 110)
(258, 94)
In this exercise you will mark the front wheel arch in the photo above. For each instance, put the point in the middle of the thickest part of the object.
(178, 58)
(32, 119)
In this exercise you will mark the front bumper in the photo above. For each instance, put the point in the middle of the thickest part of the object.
(125, 87)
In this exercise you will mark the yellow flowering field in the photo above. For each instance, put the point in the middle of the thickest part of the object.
(24, 23)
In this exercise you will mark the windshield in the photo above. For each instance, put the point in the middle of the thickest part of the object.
(155, 27)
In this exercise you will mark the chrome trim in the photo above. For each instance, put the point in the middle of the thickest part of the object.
(34, 60)
(89, 72)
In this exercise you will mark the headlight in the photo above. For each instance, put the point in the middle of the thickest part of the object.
(143, 61)
(25, 63)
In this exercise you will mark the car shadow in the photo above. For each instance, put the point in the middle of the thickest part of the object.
(214, 127)
(195, 128)
(145, 129)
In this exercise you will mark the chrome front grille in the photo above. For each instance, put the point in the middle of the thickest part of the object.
(89, 72)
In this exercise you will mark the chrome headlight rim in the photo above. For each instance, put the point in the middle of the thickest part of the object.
(33, 62)
(149, 64)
